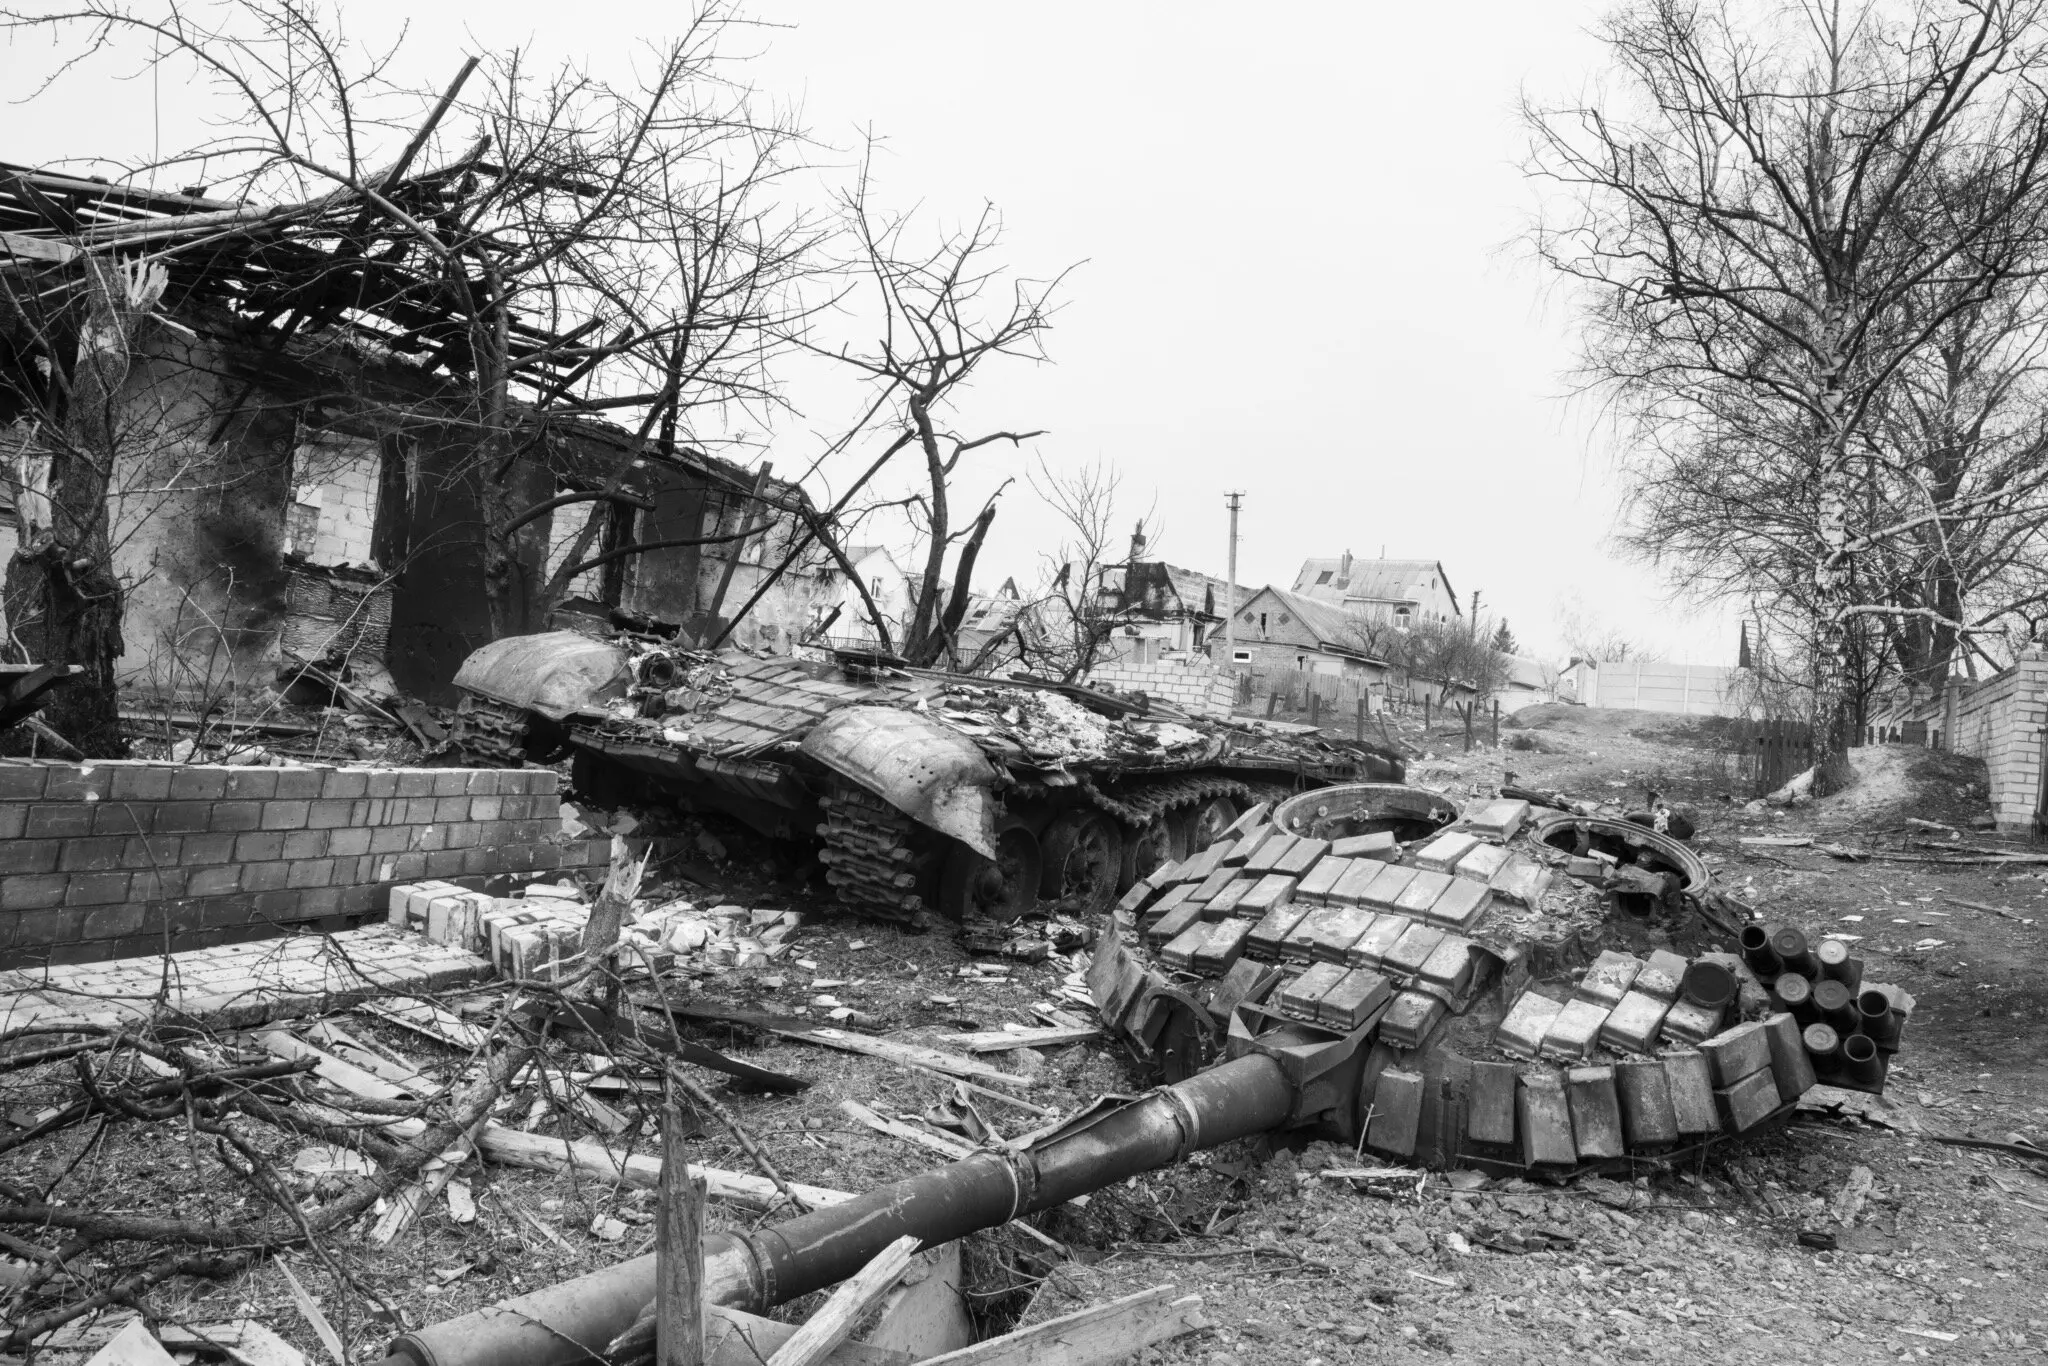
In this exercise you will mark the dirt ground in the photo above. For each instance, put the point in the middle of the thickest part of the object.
(1703, 1264)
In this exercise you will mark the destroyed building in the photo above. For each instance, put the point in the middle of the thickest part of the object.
(1158, 609)
(302, 468)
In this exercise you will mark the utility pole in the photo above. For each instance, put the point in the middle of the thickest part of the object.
(1474, 632)
(1233, 501)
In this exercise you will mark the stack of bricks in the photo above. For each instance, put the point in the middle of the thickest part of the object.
(116, 859)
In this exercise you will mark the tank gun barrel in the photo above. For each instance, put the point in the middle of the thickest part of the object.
(1117, 1138)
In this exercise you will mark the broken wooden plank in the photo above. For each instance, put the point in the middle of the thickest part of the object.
(538, 1152)
(679, 1251)
(849, 1303)
(434, 1176)
(1104, 1333)
(914, 1056)
(429, 1020)
(1000, 1040)
(342, 1073)
(908, 1054)
(577, 1098)
(895, 1128)
(1988, 910)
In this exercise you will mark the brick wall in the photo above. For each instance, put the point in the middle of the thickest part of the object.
(1194, 685)
(2000, 721)
(334, 513)
(565, 524)
(103, 860)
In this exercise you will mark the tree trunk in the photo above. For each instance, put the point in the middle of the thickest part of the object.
(63, 600)
(1834, 685)
(924, 612)
(504, 592)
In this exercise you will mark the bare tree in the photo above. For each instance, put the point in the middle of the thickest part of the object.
(575, 247)
(942, 312)
(1446, 654)
(1070, 601)
(1588, 635)
(63, 602)
(1794, 204)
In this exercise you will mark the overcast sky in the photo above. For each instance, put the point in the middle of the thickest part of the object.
(1299, 277)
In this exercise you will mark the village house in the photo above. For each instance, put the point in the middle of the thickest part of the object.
(1277, 630)
(1409, 592)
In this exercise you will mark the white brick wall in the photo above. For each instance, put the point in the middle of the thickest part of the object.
(337, 479)
(1194, 685)
(565, 524)
(2001, 721)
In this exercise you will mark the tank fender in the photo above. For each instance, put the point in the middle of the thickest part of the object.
(554, 673)
(931, 773)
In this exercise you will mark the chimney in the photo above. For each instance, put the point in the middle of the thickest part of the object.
(1344, 570)
(1138, 543)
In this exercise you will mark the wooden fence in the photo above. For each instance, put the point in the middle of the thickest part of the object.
(1771, 752)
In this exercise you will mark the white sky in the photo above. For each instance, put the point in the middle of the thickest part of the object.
(1298, 224)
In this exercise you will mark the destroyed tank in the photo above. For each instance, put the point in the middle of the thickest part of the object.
(1521, 991)
(966, 795)
(1513, 988)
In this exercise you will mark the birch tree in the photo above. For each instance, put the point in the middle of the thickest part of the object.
(1779, 209)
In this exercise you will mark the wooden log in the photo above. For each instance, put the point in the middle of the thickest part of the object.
(850, 1301)
(1104, 1333)
(679, 1251)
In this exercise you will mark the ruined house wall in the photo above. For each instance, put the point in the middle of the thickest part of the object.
(108, 860)
(198, 528)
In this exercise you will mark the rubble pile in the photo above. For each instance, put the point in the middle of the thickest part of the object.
(538, 934)
(685, 697)
(1531, 990)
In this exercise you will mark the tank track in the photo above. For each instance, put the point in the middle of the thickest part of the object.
(490, 734)
(1139, 804)
(870, 853)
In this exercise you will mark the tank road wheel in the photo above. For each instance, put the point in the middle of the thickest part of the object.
(1084, 855)
(1207, 822)
(970, 885)
(1164, 841)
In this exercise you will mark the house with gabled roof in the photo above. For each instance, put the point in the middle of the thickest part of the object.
(1410, 592)
(1276, 629)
